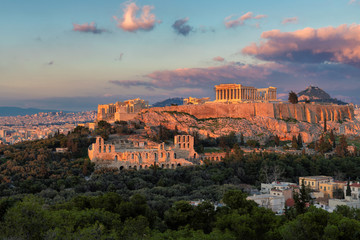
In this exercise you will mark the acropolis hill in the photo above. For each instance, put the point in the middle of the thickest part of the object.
(312, 113)
(256, 113)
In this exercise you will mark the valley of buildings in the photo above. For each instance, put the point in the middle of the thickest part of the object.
(41, 125)
(325, 193)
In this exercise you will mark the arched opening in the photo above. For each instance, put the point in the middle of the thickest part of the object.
(146, 155)
(179, 138)
(135, 167)
(183, 145)
(155, 156)
(99, 149)
(188, 138)
(188, 145)
(121, 168)
(183, 138)
(194, 155)
(167, 166)
(162, 165)
(172, 166)
(162, 155)
(146, 166)
(217, 158)
(132, 156)
(116, 158)
(140, 167)
(174, 155)
(129, 167)
(109, 149)
(179, 165)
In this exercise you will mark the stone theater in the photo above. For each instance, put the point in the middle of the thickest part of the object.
(137, 153)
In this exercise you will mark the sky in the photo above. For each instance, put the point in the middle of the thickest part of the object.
(74, 55)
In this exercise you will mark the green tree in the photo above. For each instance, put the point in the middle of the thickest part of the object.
(294, 143)
(204, 217)
(341, 149)
(236, 199)
(293, 98)
(332, 138)
(302, 199)
(348, 189)
(277, 140)
(26, 220)
(299, 141)
(180, 214)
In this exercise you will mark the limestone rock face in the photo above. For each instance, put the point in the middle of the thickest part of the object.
(260, 128)
(312, 113)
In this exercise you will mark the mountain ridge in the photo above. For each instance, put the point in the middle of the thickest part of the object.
(316, 94)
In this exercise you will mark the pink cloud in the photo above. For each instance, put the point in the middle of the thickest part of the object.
(88, 28)
(199, 77)
(232, 23)
(219, 59)
(290, 20)
(131, 23)
(332, 44)
(337, 79)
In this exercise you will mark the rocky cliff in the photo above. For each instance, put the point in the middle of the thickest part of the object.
(311, 113)
(255, 120)
(254, 127)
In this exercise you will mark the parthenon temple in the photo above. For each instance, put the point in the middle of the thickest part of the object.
(241, 93)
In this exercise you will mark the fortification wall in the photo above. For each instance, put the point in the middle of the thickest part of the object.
(312, 113)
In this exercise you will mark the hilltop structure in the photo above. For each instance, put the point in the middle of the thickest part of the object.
(121, 111)
(241, 93)
(135, 153)
(191, 100)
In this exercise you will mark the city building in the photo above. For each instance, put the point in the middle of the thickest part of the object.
(332, 189)
(355, 190)
(352, 203)
(241, 93)
(266, 187)
(313, 181)
(273, 202)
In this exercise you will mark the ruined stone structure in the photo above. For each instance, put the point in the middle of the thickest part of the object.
(241, 93)
(312, 113)
(141, 154)
(121, 111)
(191, 100)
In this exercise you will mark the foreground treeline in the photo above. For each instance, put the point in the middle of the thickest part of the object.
(109, 216)
(48, 195)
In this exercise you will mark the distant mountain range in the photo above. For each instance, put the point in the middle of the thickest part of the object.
(168, 102)
(316, 94)
(16, 111)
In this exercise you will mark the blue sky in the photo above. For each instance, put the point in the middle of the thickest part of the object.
(73, 55)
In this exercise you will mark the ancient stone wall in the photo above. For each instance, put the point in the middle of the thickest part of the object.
(312, 113)
(138, 158)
